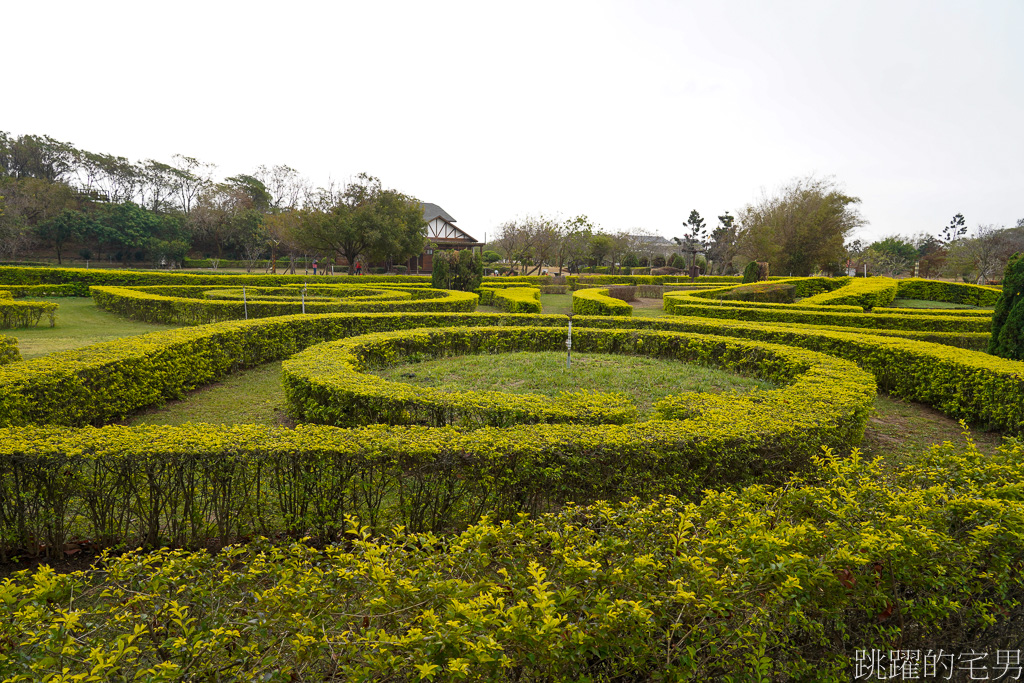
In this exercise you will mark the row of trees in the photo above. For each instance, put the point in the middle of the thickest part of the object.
(54, 194)
(801, 229)
(951, 252)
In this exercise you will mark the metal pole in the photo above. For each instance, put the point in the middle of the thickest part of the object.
(568, 345)
(245, 305)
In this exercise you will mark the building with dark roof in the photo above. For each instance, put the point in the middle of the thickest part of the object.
(442, 233)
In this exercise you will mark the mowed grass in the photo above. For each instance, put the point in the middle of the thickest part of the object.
(920, 303)
(253, 396)
(79, 323)
(645, 380)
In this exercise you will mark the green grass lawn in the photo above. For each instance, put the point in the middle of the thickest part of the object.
(644, 379)
(919, 303)
(253, 396)
(79, 323)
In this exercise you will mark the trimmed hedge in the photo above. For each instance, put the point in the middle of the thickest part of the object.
(768, 583)
(106, 381)
(185, 304)
(597, 302)
(25, 313)
(867, 293)
(200, 484)
(8, 350)
(330, 383)
(691, 304)
(952, 292)
(19, 291)
(326, 383)
(518, 299)
(762, 292)
(83, 278)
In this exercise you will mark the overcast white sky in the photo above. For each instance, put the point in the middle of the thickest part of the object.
(633, 113)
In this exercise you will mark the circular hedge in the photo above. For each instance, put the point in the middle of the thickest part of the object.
(201, 304)
(329, 383)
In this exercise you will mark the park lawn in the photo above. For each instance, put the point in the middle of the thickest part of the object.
(79, 323)
(645, 380)
(920, 303)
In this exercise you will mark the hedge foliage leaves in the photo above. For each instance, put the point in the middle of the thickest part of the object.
(764, 583)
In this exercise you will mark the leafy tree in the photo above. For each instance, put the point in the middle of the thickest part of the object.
(66, 226)
(892, 254)
(491, 257)
(630, 260)
(1007, 338)
(363, 220)
(601, 245)
(801, 228)
(956, 229)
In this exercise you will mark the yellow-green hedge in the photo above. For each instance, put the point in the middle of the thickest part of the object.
(18, 291)
(197, 484)
(597, 302)
(25, 313)
(952, 292)
(518, 299)
(328, 383)
(8, 350)
(764, 583)
(106, 381)
(691, 304)
(83, 278)
(185, 304)
(331, 383)
(867, 293)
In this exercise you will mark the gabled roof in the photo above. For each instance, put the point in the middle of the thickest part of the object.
(432, 211)
(652, 239)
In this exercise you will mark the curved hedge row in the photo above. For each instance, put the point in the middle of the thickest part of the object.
(691, 304)
(107, 381)
(194, 484)
(18, 291)
(187, 305)
(326, 383)
(867, 293)
(597, 302)
(951, 292)
(515, 299)
(330, 383)
(785, 583)
(25, 313)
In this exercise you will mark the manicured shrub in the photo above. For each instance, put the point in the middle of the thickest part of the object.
(764, 292)
(867, 293)
(83, 278)
(952, 292)
(597, 302)
(705, 303)
(196, 484)
(518, 299)
(750, 273)
(8, 350)
(769, 583)
(25, 313)
(189, 305)
(1008, 320)
(329, 383)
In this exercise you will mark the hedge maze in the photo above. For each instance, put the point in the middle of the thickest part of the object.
(487, 536)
